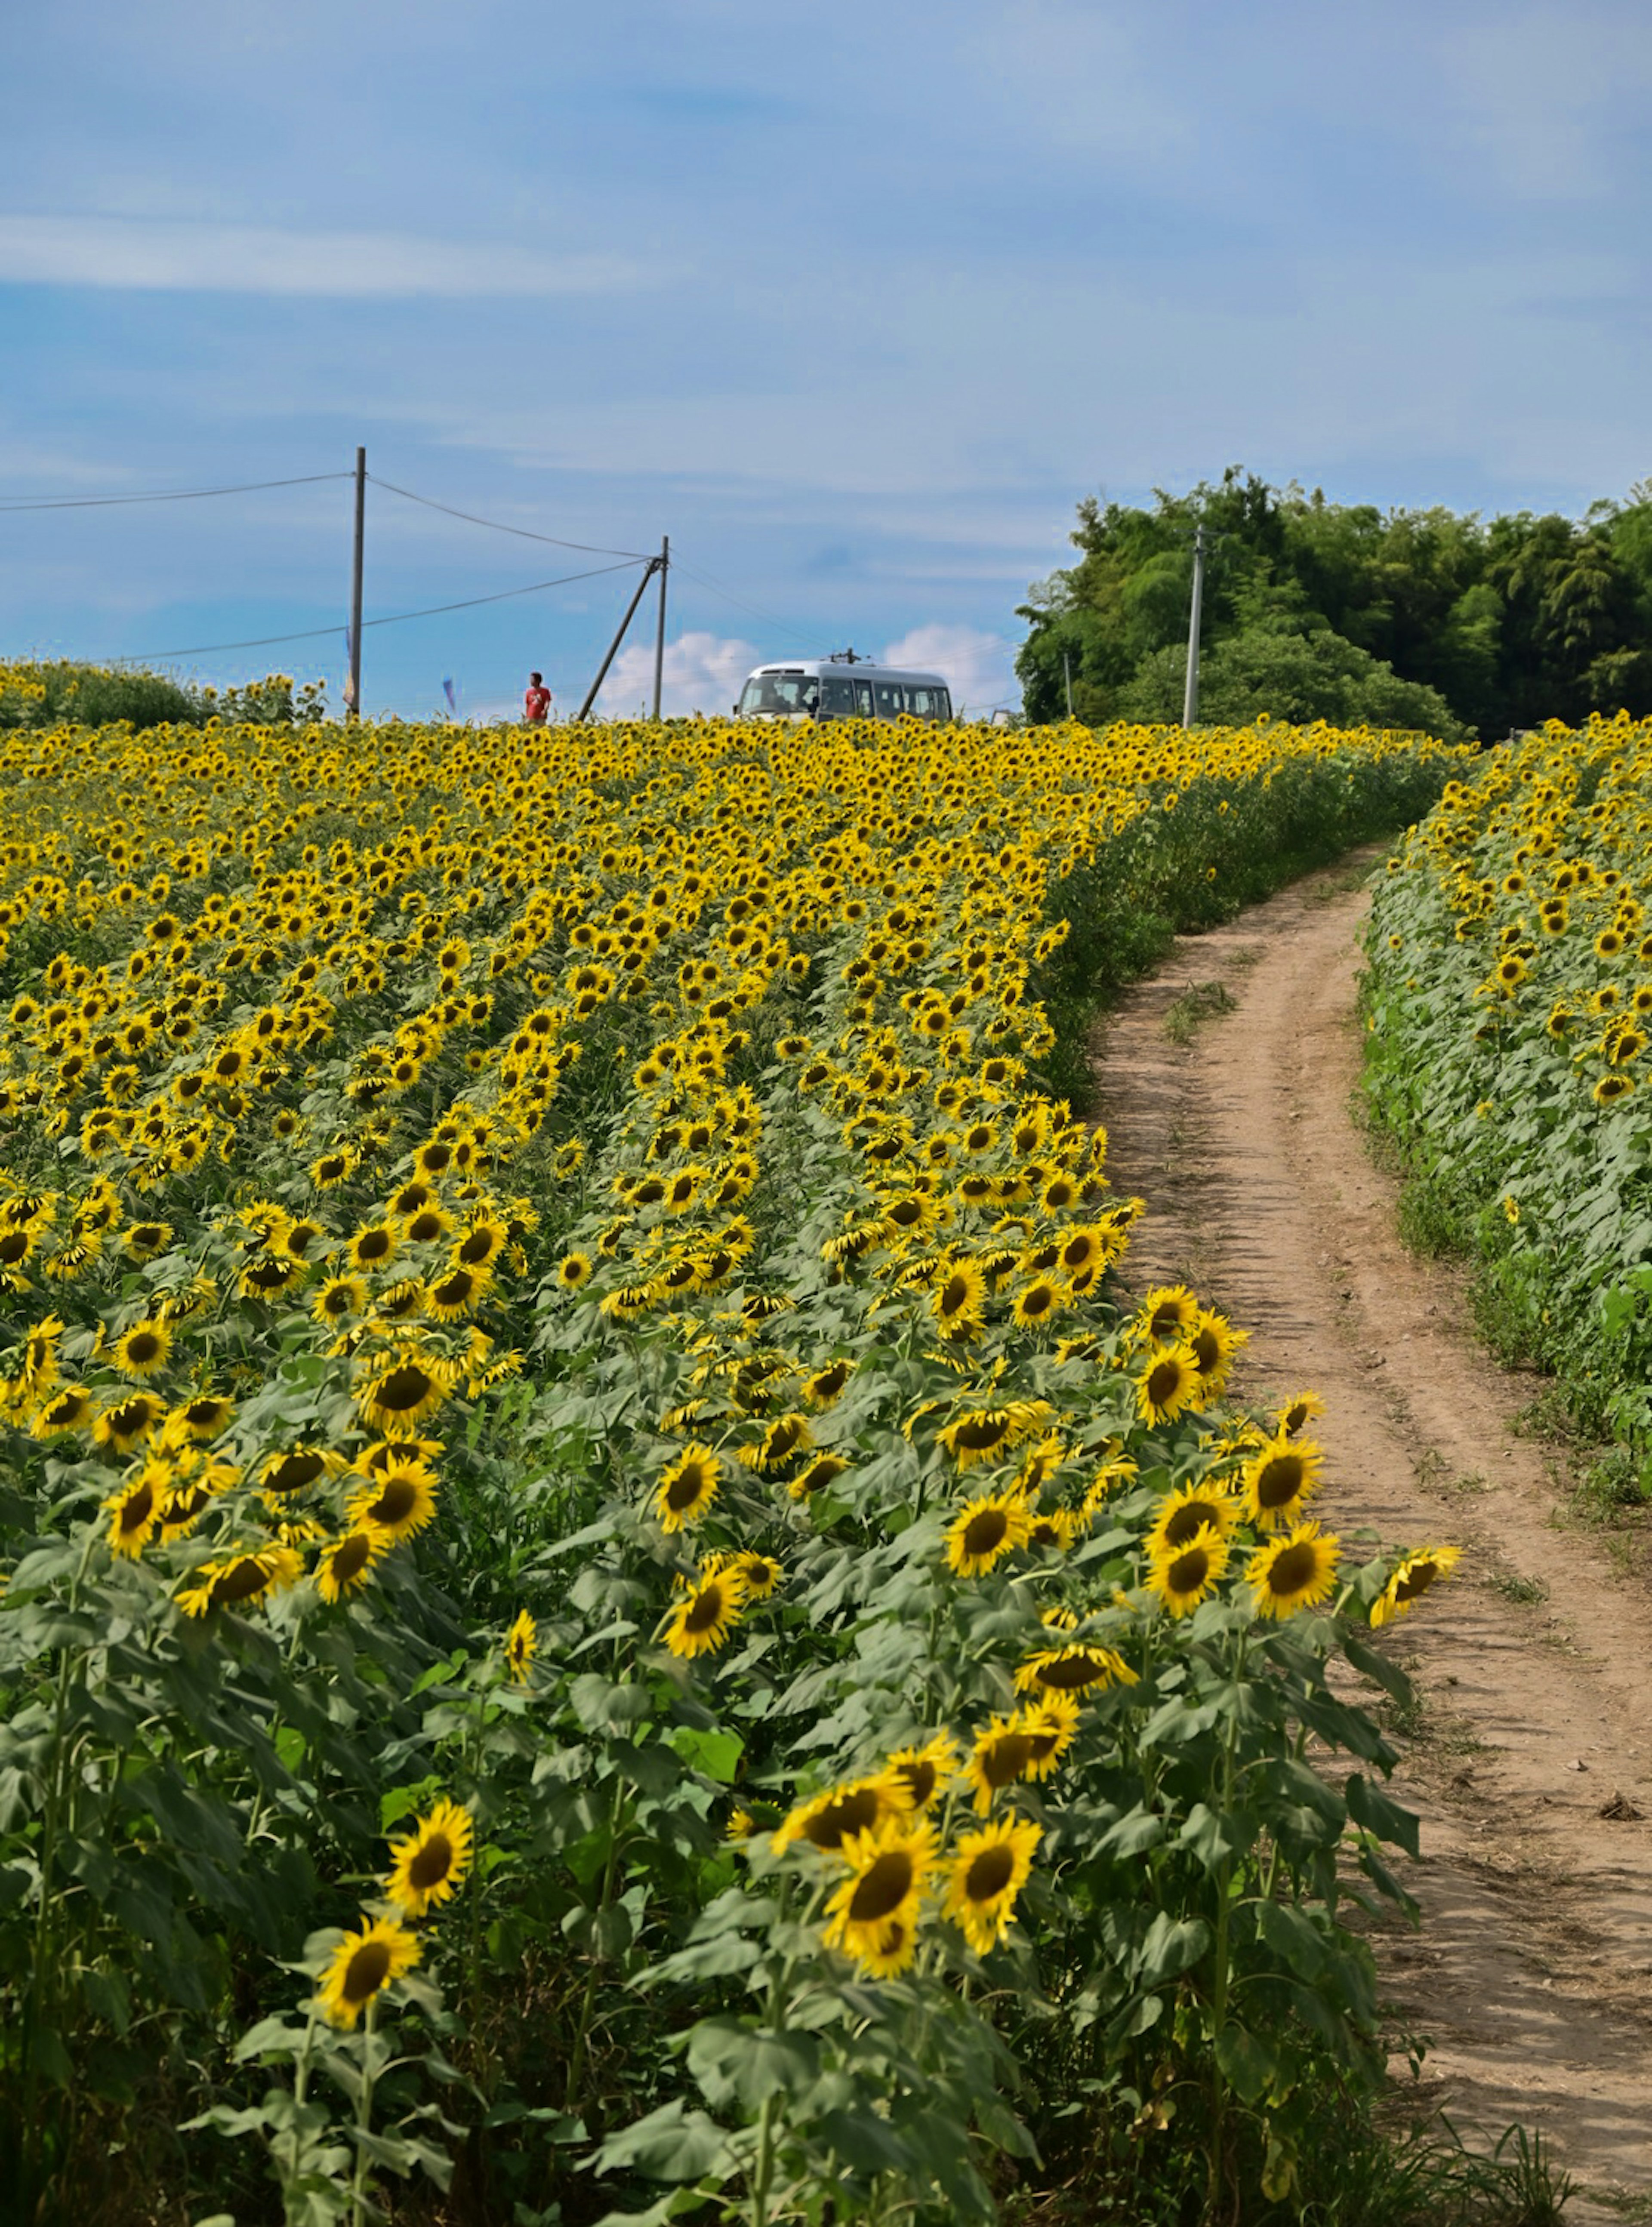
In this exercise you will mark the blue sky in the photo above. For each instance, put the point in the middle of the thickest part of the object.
(853, 301)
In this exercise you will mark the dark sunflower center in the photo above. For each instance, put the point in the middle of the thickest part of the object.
(1187, 1521)
(1163, 1381)
(453, 1291)
(781, 1439)
(1280, 1481)
(1292, 1570)
(990, 1873)
(1189, 1571)
(1069, 1672)
(294, 1470)
(374, 1244)
(136, 1511)
(432, 1863)
(982, 1434)
(405, 1387)
(683, 1491)
(366, 1972)
(1416, 1580)
(1038, 1301)
(850, 1813)
(241, 1581)
(919, 1779)
(882, 1887)
(396, 1502)
(985, 1531)
(707, 1611)
(1004, 1759)
(351, 1558)
(954, 1295)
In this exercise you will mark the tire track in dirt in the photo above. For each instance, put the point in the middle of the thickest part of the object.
(1532, 1973)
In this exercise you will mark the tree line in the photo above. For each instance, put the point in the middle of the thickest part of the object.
(1456, 623)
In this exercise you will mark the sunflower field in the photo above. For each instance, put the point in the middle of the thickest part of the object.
(613, 1604)
(1509, 1012)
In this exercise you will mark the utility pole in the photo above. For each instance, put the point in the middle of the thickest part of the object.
(648, 571)
(1067, 671)
(660, 631)
(353, 694)
(1190, 699)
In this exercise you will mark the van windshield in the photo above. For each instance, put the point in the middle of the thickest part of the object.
(782, 693)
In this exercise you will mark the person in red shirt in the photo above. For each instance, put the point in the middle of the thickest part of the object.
(536, 703)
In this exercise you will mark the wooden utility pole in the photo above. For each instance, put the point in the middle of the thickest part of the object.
(353, 706)
(1191, 697)
(648, 571)
(660, 631)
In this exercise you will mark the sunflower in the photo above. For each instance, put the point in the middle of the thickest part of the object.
(406, 1387)
(1168, 1316)
(397, 1501)
(454, 1295)
(363, 1965)
(203, 1417)
(1003, 1753)
(69, 1407)
(700, 1623)
(1182, 1575)
(1413, 1574)
(339, 1298)
(129, 1420)
(988, 1870)
(522, 1645)
(826, 1384)
(916, 1775)
(143, 1348)
(1213, 1344)
(270, 1275)
(873, 1916)
(1038, 1302)
(133, 1513)
(687, 1488)
(805, 1482)
(1279, 1479)
(1296, 1412)
(574, 1271)
(960, 1296)
(345, 1566)
(1181, 1514)
(785, 1436)
(1297, 1572)
(299, 1466)
(984, 1531)
(1612, 1088)
(1170, 1383)
(240, 1579)
(430, 1865)
(1051, 1724)
(830, 1819)
(762, 1573)
(372, 1247)
(1072, 1670)
(144, 1239)
(983, 1434)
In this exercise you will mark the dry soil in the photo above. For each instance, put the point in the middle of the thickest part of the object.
(1530, 1757)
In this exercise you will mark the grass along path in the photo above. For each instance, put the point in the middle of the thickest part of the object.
(1529, 1756)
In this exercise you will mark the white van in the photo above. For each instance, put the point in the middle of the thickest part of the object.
(843, 688)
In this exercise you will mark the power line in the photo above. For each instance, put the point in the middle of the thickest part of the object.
(591, 548)
(393, 618)
(769, 617)
(11, 503)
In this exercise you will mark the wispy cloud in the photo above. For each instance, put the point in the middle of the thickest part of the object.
(702, 672)
(152, 254)
(979, 667)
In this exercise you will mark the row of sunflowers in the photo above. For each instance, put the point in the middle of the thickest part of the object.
(1509, 998)
(611, 1600)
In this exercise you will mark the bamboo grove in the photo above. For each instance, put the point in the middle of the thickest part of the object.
(614, 1603)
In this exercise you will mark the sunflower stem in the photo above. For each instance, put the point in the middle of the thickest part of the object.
(577, 2060)
(1219, 1984)
(364, 2118)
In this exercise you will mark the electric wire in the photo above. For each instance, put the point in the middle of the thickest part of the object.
(9, 504)
(739, 603)
(590, 548)
(391, 618)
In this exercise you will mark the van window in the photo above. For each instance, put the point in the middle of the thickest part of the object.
(926, 702)
(891, 699)
(781, 693)
(837, 697)
(864, 699)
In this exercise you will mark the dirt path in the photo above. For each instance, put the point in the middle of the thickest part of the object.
(1531, 1973)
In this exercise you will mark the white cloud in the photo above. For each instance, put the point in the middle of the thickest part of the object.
(978, 666)
(157, 253)
(703, 673)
